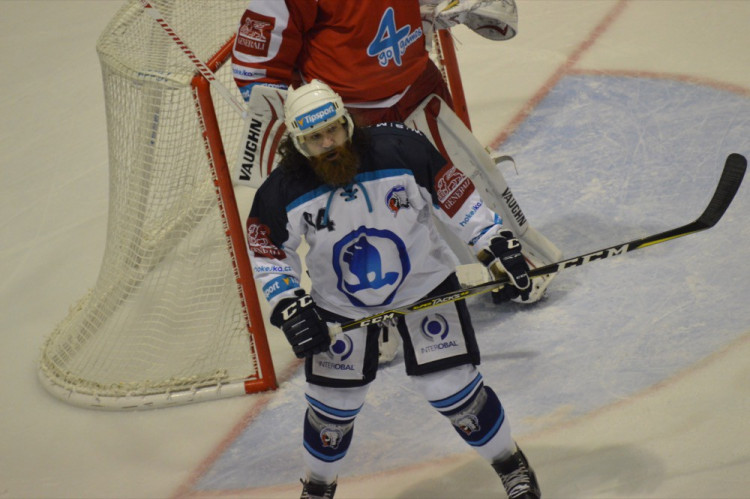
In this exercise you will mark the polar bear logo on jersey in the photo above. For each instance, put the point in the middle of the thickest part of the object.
(366, 265)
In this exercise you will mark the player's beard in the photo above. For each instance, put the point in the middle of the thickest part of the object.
(338, 171)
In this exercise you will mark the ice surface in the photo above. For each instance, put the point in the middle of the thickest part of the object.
(630, 380)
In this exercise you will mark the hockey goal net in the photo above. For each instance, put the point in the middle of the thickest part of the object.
(174, 316)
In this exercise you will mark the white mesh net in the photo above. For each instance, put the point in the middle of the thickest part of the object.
(165, 322)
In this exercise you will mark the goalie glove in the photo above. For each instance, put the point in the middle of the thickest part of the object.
(503, 256)
(304, 329)
(492, 19)
(264, 129)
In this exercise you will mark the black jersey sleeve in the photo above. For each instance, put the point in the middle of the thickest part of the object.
(268, 217)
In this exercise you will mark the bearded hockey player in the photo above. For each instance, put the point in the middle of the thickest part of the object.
(375, 58)
(365, 200)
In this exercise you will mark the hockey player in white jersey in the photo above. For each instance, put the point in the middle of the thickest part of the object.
(364, 200)
(377, 60)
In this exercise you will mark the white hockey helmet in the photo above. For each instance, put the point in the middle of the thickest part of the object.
(311, 107)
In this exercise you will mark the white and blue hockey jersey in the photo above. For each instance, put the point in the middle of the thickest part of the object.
(373, 245)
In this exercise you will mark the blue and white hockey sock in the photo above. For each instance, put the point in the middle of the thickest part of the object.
(479, 418)
(327, 435)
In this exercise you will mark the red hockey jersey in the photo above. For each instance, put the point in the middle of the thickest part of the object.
(366, 51)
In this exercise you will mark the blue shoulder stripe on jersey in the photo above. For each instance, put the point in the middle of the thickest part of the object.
(360, 177)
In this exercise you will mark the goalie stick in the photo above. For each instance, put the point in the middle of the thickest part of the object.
(729, 183)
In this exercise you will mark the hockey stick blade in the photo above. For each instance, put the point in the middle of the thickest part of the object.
(729, 184)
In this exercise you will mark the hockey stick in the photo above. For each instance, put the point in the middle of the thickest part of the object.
(200, 65)
(729, 183)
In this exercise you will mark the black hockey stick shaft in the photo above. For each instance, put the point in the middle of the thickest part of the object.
(729, 183)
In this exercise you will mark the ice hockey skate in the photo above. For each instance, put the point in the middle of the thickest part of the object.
(517, 476)
(317, 490)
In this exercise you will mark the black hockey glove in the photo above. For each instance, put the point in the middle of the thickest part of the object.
(302, 325)
(503, 256)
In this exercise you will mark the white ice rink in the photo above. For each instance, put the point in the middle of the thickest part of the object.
(631, 379)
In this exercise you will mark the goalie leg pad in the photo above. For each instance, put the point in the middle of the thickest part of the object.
(264, 129)
(457, 144)
(538, 252)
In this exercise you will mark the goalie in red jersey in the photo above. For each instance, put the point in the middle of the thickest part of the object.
(375, 58)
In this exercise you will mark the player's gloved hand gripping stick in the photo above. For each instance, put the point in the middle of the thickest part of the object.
(729, 183)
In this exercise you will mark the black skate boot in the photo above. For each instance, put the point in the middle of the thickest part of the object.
(317, 490)
(518, 478)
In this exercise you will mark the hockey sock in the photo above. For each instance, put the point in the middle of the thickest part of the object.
(326, 437)
(478, 417)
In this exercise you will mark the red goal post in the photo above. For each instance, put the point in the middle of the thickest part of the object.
(174, 316)
(445, 58)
